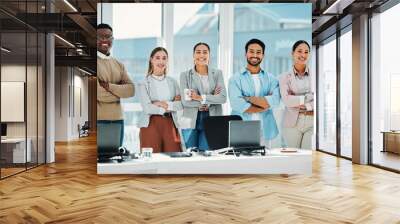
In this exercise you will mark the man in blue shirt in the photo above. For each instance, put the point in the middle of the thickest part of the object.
(254, 93)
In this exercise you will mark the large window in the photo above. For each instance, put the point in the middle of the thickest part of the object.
(135, 37)
(385, 83)
(346, 93)
(268, 22)
(327, 96)
(335, 58)
(193, 23)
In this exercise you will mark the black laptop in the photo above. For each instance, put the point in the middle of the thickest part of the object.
(244, 136)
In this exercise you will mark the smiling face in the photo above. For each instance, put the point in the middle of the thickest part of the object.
(301, 54)
(159, 63)
(201, 55)
(104, 40)
(254, 54)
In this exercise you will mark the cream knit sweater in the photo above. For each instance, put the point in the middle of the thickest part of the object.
(108, 103)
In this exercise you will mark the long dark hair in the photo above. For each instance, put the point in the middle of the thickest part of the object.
(295, 45)
(201, 43)
(155, 50)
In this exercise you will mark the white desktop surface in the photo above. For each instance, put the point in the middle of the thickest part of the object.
(12, 140)
(19, 155)
(275, 162)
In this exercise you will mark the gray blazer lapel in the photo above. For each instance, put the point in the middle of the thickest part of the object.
(151, 91)
(212, 77)
(197, 82)
(171, 86)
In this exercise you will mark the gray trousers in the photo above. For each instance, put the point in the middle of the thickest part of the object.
(300, 135)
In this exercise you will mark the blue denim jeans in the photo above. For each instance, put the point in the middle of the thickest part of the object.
(196, 137)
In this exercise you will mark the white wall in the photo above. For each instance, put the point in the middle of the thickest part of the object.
(12, 73)
(69, 85)
(61, 103)
(33, 126)
(16, 73)
(79, 117)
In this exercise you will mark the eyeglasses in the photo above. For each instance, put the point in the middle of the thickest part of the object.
(104, 37)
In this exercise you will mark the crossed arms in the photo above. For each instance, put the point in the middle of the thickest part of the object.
(253, 104)
(108, 92)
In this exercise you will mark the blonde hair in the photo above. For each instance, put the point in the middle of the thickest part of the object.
(155, 50)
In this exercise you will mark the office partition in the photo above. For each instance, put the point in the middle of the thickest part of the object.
(22, 77)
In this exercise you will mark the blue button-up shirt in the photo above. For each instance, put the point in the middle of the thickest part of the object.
(241, 85)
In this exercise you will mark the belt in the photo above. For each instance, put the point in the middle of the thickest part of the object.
(169, 114)
(307, 113)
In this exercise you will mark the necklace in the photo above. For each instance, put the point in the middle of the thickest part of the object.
(158, 78)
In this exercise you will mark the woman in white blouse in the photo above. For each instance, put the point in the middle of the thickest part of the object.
(298, 97)
(160, 99)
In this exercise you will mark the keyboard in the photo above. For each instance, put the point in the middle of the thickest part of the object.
(248, 148)
(178, 154)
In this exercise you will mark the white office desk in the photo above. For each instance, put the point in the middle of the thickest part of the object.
(18, 149)
(275, 162)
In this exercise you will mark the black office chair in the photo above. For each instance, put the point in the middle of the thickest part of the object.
(84, 129)
(217, 130)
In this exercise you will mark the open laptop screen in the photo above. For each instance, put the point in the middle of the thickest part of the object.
(244, 133)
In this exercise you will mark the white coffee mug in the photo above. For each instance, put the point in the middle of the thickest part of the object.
(187, 93)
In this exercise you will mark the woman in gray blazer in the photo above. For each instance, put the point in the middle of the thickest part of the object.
(203, 93)
(298, 97)
(160, 99)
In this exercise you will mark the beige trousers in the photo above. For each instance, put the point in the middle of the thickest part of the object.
(300, 135)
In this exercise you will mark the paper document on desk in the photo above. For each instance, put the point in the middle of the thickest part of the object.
(289, 150)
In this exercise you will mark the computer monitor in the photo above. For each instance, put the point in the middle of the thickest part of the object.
(108, 140)
(3, 129)
(217, 130)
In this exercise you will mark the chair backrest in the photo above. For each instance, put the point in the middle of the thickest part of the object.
(86, 125)
(108, 139)
(217, 130)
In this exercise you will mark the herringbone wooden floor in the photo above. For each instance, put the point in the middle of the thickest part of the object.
(70, 191)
